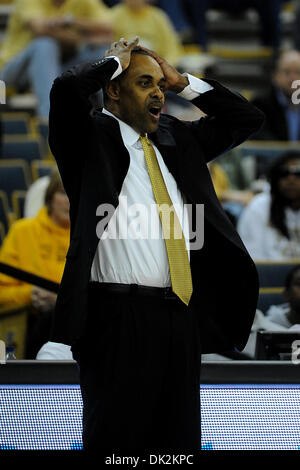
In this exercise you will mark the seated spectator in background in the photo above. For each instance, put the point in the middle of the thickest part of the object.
(152, 25)
(176, 13)
(39, 246)
(239, 169)
(288, 314)
(270, 225)
(45, 37)
(233, 200)
(195, 14)
(282, 111)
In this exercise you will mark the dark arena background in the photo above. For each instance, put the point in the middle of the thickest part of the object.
(250, 399)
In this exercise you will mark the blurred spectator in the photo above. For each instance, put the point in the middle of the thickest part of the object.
(39, 246)
(195, 15)
(240, 170)
(46, 37)
(176, 13)
(270, 225)
(281, 109)
(288, 314)
(233, 199)
(151, 24)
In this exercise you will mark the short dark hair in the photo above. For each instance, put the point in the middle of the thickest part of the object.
(135, 50)
(55, 185)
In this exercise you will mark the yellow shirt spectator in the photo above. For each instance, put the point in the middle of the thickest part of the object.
(153, 27)
(37, 245)
(18, 34)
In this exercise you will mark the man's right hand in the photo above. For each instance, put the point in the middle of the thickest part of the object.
(122, 49)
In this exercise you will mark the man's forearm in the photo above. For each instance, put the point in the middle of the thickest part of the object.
(67, 29)
(65, 36)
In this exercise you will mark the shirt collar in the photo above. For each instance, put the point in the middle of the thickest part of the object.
(129, 135)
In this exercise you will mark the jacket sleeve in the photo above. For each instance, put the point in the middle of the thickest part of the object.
(230, 120)
(70, 120)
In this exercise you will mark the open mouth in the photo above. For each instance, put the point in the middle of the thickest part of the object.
(155, 111)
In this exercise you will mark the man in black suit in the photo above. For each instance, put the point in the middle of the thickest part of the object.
(138, 344)
(280, 103)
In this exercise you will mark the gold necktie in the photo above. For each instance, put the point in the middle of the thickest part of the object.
(179, 264)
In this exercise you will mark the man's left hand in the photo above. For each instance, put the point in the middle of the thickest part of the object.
(175, 81)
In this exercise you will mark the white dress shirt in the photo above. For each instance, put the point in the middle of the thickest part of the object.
(262, 240)
(132, 249)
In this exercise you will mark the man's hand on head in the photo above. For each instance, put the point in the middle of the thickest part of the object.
(175, 81)
(122, 49)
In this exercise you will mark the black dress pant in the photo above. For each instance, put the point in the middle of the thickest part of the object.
(139, 366)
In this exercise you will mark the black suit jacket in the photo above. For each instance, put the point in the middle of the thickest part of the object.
(93, 163)
(275, 126)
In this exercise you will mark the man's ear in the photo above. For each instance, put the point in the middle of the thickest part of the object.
(113, 90)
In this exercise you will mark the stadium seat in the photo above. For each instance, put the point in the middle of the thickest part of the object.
(272, 274)
(269, 146)
(16, 123)
(268, 153)
(25, 147)
(14, 175)
(41, 168)
(18, 201)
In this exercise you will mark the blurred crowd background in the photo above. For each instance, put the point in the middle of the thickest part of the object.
(251, 46)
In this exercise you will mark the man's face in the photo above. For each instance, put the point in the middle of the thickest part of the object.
(141, 95)
(287, 72)
(59, 209)
(289, 181)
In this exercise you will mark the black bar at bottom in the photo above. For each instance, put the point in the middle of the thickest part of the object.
(212, 372)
